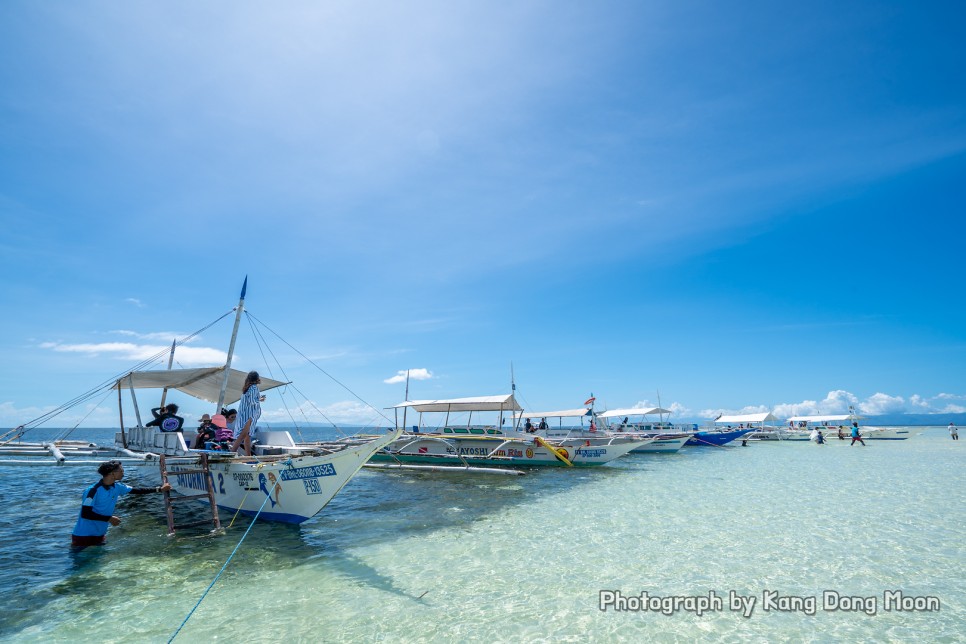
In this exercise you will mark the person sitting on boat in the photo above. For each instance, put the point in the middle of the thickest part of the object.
(97, 510)
(528, 427)
(168, 421)
(223, 432)
(543, 424)
(206, 432)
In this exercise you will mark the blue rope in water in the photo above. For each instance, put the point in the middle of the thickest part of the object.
(227, 561)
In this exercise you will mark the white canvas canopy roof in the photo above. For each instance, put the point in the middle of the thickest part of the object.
(566, 413)
(505, 402)
(204, 383)
(822, 419)
(641, 411)
(748, 418)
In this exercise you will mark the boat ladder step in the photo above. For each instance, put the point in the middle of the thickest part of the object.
(169, 500)
(186, 497)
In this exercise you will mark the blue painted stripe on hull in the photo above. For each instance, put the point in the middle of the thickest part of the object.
(716, 438)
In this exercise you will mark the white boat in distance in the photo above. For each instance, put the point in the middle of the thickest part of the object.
(762, 432)
(492, 444)
(668, 438)
(840, 426)
(594, 432)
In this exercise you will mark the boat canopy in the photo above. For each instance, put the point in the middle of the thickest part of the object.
(762, 417)
(566, 413)
(822, 419)
(505, 402)
(641, 411)
(204, 383)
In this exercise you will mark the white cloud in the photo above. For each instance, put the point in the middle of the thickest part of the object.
(187, 356)
(159, 335)
(136, 302)
(880, 403)
(414, 374)
(676, 409)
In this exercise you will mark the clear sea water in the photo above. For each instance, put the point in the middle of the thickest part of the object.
(403, 557)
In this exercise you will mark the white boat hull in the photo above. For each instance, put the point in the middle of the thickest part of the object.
(504, 451)
(290, 489)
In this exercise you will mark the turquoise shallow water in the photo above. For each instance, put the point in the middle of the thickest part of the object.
(420, 557)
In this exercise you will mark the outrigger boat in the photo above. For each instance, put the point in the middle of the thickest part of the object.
(833, 425)
(667, 438)
(297, 479)
(761, 431)
(493, 445)
(596, 431)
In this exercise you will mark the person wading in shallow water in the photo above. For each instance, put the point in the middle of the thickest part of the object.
(856, 436)
(97, 511)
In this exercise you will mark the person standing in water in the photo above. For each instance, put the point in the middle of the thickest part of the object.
(856, 436)
(97, 510)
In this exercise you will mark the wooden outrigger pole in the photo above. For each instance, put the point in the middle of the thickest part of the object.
(231, 346)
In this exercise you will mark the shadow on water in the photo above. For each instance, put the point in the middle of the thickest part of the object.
(40, 573)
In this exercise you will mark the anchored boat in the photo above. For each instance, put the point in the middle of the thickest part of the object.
(838, 425)
(493, 445)
(668, 438)
(281, 481)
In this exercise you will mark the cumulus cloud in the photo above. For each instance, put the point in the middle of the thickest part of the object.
(880, 403)
(839, 401)
(676, 408)
(414, 374)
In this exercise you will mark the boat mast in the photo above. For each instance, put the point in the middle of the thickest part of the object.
(406, 400)
(164, 392)
(231, 347)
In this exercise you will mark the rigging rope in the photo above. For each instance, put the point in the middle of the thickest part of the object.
(109, 383)
(312, 362)
(227, 561)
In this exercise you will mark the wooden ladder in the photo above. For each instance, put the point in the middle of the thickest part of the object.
(170, 499)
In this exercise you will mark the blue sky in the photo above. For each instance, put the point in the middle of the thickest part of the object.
(741, 206)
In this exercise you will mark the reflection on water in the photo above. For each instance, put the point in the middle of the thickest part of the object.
(404, 555)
